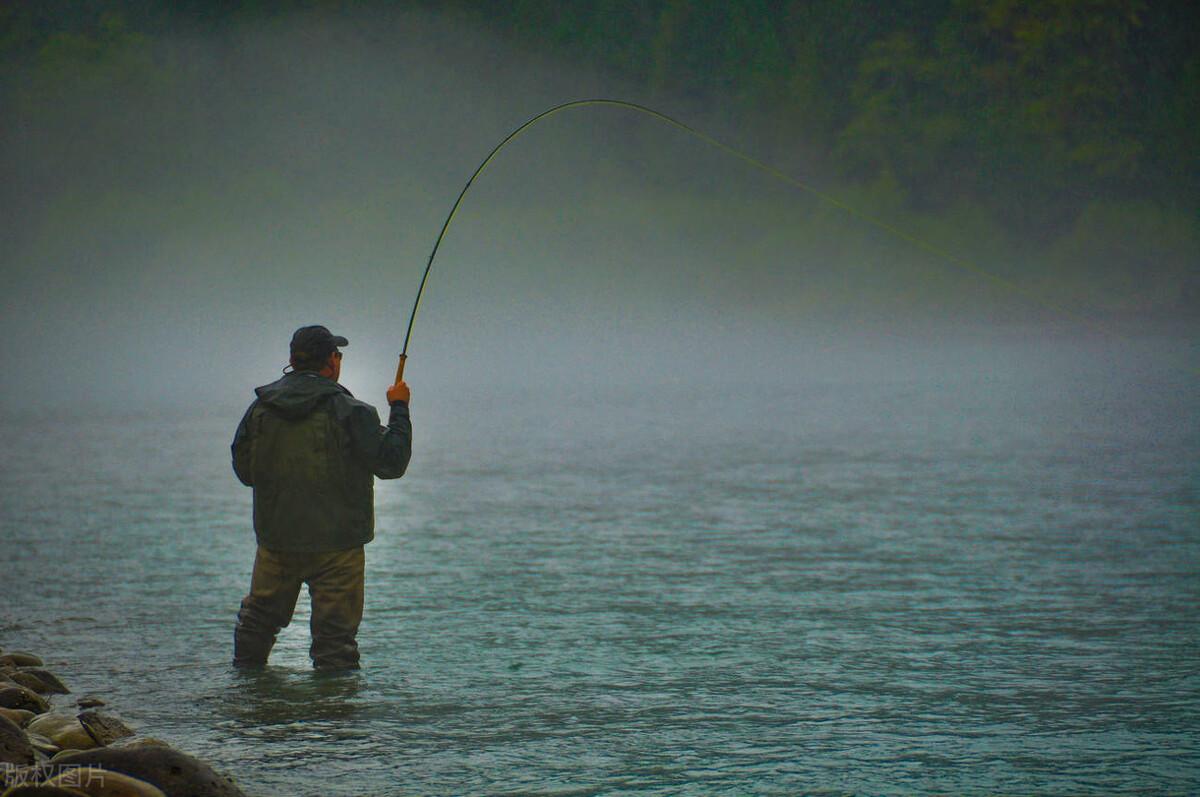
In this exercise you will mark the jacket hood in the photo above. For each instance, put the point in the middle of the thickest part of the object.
(298, 394)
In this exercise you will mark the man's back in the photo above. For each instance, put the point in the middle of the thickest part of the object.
(311, 451)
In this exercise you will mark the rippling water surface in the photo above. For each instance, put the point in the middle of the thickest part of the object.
(972, 578)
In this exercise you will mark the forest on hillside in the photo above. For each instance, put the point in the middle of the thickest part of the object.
(1065, 128)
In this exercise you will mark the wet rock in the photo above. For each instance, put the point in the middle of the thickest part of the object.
(41, 743)
(96, 782)
(15, 776)
(20, 659)
(53, 684)
(50, 724)
(176, 773)
(22, 698)
(42, 791)
(17, 715)
(104, 728)
(66, 732)
(14, 747)
(89, 701)
(30, 682)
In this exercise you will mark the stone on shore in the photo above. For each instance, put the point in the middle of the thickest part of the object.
(66, 732)
(22, 698)
(42, 744)
(104, 728)
(14, 775)
(30, 682)
(176, 773)
(89, 701)
(20, 659)
(39, 790)
(17, 715)
(53, 684)
(14, 747)
(96, 782)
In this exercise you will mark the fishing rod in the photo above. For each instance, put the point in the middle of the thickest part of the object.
(938, 252)
(632, 106)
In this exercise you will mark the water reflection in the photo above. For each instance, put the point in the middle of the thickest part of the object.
(280, 698)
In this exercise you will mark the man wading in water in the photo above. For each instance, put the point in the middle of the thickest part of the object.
(311, 451)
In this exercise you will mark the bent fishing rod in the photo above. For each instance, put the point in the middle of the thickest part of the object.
(632, 106)
(486, 161)
(938, 252)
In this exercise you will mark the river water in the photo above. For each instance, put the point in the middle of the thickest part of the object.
(974, 577)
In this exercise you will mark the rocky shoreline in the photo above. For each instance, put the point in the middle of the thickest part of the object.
(54, 745)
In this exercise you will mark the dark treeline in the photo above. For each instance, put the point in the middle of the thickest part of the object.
(1068, 126)
(1033, 109)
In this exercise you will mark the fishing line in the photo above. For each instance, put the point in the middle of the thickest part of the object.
(947, 257)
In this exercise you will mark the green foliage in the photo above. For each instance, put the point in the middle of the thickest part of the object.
(72, 81)
(1059, 133)
(1131, 256)
(731, 48)
(1019, 105)
(907, 127)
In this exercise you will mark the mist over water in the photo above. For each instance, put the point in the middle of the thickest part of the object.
(164, 238)
(169, 238)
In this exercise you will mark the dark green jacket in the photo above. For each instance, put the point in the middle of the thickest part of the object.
(311, 452)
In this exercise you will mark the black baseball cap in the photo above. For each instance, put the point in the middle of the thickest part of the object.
(315, 343)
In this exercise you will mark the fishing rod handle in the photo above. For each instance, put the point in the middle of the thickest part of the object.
(400, 368)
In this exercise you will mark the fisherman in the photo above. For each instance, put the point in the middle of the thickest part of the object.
(311, 451)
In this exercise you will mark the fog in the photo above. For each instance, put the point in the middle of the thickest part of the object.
(165, 235)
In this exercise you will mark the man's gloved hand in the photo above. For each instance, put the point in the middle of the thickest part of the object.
(398, 392)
